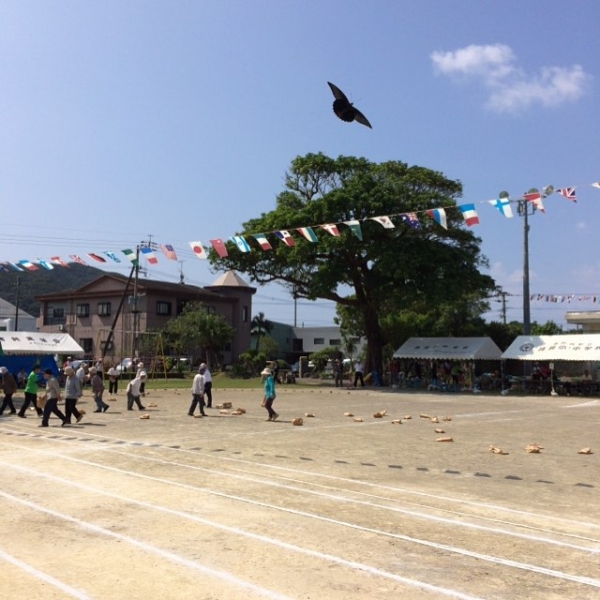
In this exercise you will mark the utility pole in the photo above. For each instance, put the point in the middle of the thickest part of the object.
(181, 279)
(17, 303)
(134, 311)
(503, 309)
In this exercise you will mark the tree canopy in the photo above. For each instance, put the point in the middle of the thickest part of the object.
(387, 271)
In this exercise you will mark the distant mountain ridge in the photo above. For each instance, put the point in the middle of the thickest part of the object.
(38, 283)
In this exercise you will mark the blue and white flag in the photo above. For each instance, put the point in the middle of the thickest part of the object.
(241, 243)
(503, 205)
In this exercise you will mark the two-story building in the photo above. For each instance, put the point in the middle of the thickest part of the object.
(142, 306)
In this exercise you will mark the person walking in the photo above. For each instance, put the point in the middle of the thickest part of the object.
(207, 385)
(133, 391)
(270, 394)
(98, 390)
(72, 394)
(358, 373)
(338, 371)
(31, 391)
(113, 380)
(140, 370)
(198, 389)
(9, 385)
(52, 397)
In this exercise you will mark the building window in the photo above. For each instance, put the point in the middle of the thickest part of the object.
(335, 342)
(83, 310)
(244, 314)
(227, 347)
(163, 308)
(298, 345)
(211, 310)
(87, 344)
(104, 309)
(319, 341)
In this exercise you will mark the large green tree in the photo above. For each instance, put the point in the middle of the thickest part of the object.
(197, 331)
(388, 269)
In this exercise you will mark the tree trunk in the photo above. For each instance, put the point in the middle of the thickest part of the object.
(375, 341)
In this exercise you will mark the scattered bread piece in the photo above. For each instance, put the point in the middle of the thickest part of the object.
(237, 413)
(495, 450)
(379, 414)
(145, 416)
(347, 414)
(423, 416)
(435, 420)
(439, 430)
(309, 415)
(358, 419)
(197, 416)
(241, 410)
(533, 448)
(407, 417)
(152, 405)
(223, 412)
(447, 418)
(445, 439)
(397, 422)
(587, 450)
(298, 421)
(110, 400)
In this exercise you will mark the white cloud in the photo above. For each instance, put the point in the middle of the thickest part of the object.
(581, 225)
(510, 88)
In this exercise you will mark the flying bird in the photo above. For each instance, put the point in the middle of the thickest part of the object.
(344, 109)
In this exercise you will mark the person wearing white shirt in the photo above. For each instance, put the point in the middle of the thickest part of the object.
(207, 385)
(113, 380)
(133, 391)
(198, 389)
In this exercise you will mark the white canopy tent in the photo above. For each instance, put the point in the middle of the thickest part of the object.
(36, 342)
(580, 347)
(467, 348)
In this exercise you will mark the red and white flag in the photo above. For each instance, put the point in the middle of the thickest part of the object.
(77, 259)
(27, 264)
(331, 228)
(96, 257)
(198, 250)
(285, 237)
(57, 260)
(470, 214)
(536, 199)
(385, 221)
(219, 247)
(568, 193)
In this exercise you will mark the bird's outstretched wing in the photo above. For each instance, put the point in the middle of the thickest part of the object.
(337, 93)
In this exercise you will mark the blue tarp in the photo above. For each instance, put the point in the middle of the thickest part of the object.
(15, 363)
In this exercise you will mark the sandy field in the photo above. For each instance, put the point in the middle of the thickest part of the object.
(234, 507)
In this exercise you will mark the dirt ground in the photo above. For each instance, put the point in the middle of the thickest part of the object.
(234, 507)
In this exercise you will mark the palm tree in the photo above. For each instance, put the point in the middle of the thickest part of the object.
(260, 326)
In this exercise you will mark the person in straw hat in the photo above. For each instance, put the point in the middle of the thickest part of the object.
(270, 394)
(72, 394)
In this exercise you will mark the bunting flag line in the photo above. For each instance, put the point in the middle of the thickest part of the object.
(503, 205)
(355, 228)
(198, 250)
(411, 220)
(285, 237)
(27, 264)
(470, 214)
(308, 233)
(568, 193)
(96, 257)
(536, 199)
(57, 260)
(112, 256)
(219, 247)
(77, 259)
(46, 264)
(385, 221)
(131, 255)
(439, 216)
(14, 266)
(332, 229)
(261, 238)
(169, 251)
(149, 255)
(241, 243)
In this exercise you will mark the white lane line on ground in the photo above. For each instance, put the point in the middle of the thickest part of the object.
(398, 490)
(348, 500)
(43, 576)
(232, 530)
(590, 403)
(444, 547)
(175, 558)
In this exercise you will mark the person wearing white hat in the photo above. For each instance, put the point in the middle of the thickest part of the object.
(270, 394)
(10, 387)
(98, 390)
(207, 384)
(72, 394)
(133, 391)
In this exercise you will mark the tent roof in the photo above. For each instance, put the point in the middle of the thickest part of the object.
(468, 348)
(37, 342)
(555, 347)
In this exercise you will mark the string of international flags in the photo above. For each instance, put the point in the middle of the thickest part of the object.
(411, 219)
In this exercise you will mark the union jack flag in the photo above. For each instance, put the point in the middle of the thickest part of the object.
(568, 193)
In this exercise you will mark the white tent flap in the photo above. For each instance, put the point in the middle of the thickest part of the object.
(473, 348)
(36, 342)
(555, 347)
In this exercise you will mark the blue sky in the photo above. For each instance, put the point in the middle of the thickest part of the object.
(179, 119)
